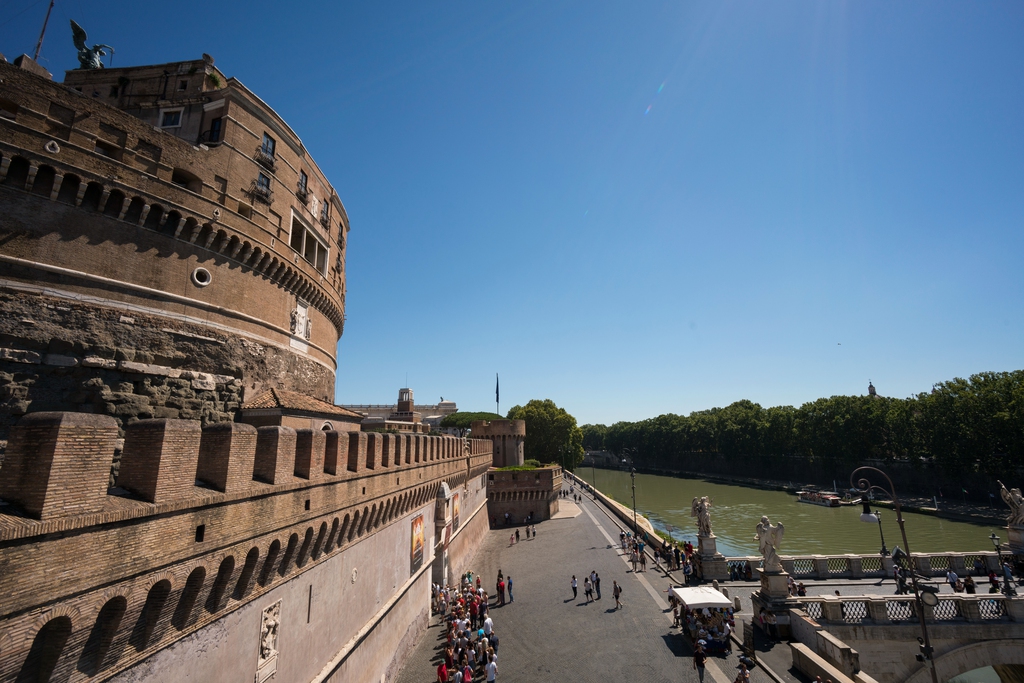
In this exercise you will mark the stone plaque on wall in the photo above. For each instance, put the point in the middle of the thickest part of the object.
(266, 667)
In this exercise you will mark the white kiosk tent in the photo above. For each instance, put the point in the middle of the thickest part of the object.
(700, 597)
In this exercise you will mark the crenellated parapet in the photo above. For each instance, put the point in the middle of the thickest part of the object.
(201, 522)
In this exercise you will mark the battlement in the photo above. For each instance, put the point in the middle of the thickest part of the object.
(482, 429)
(57, 465)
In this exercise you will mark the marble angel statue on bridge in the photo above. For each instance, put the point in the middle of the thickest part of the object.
(1015, 501)
(701, 509)
(768, 539)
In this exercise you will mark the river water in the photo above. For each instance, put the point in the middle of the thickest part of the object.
(810, 529)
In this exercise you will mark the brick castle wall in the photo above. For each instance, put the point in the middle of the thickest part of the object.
(135, 571)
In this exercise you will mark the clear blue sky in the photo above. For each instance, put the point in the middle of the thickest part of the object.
(639, 208)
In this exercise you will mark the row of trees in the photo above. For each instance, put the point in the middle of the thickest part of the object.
(973, 425)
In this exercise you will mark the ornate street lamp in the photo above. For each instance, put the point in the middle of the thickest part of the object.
(871, 517)
(632, 479)
(921, 594)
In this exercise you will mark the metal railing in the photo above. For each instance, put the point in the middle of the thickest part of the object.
(265, 160)
(261, 193)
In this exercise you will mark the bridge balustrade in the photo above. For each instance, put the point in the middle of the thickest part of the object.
(853, 566)
(901, 610)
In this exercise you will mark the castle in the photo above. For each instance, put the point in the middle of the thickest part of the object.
(179, 497)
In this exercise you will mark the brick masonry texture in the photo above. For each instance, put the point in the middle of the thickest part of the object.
(133, 554)
(104, 221)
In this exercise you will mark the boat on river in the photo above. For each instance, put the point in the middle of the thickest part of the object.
(828, 499)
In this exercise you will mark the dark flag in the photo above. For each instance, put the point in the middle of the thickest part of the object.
(497, 395)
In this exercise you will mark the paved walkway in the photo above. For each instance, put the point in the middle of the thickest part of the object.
(546, 635)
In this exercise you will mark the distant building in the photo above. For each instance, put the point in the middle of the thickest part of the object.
(403, 413)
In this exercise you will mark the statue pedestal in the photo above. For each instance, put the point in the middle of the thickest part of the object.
(774, 585)
(1015, 539)
(712, 563)
(707, 546)
(774, 598)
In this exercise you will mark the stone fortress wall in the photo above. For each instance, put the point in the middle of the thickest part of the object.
(141, 262)
(171, 574)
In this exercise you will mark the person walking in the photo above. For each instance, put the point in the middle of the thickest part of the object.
(617, 593)
(508, 587)
(573, 584)
(643, 560)
(700, 660)
(597, 584)
(517, 535)
(501, 592)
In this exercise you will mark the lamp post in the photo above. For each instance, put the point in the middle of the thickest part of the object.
(864, 487)
(632, 479)
(877, 515)
(1007, 581)
(593, 475)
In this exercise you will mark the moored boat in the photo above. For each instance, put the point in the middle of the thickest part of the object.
(823, 498)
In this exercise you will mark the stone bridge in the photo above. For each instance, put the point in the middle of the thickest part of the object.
(967, 632)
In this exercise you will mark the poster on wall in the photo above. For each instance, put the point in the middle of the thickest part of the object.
(416, 554)
(455, 512)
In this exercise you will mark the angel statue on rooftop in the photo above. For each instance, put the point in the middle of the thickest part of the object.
(701, 509)
(768, 538)
(88, 57)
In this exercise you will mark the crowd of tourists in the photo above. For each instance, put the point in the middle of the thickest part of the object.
(708, 627)
(471, 642)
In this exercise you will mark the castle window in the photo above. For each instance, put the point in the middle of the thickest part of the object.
(171, 118)
(325, 215)
(306, 243)
(268, 146)
(113, 91)
(189, 181)
(216, 126)
(182, 85)
(108, 150)
(8, 109)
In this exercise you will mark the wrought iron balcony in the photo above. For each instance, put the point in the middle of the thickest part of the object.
(260, 193)
(205, 139)
(302, 193)
(265, 160)
(325, 220)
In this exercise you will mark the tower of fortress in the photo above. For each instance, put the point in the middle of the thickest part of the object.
(168, 246)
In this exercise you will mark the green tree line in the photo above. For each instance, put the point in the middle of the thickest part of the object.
(961, 426)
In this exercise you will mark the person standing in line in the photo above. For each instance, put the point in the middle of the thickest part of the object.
(700, 660)
(573, 584)
(597, 584)
(492, 670)
(617, 593)
(508, 585)
(488, 627)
